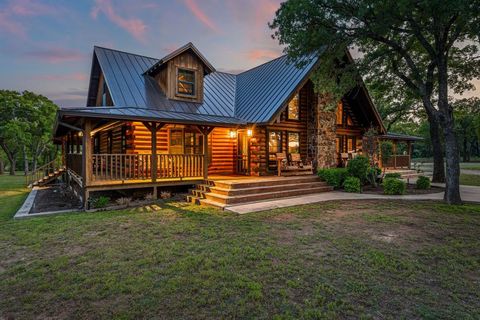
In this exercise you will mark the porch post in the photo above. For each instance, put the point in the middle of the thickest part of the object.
(154, 128)
(205, 155)
(86, 160)
(394, 154)
(409, 148)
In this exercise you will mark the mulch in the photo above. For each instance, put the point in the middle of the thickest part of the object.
(411, 190)
(55, 198)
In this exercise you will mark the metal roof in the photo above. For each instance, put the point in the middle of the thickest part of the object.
(253, 96)
(188, 46)
(261, 91)
(400, 136)
(140, 114)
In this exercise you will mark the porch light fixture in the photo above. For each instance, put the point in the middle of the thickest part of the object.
(233, 133)
(249, 132)
(80, 133)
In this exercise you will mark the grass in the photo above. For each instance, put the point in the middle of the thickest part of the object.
(12, 194)
(350, 259)
(469, 179)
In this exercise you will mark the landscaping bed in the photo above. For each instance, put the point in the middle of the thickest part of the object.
(55, 198)
(411, 189)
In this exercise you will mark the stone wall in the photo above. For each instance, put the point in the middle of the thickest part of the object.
(326, 135)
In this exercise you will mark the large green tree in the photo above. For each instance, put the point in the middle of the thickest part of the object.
(414, 39)
(26, 121)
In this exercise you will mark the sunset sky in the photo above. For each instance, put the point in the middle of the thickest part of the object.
(46, 46)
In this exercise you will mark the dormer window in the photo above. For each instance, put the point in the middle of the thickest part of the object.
(185, 82)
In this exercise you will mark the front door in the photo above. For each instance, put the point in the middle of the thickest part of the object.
(243, 154)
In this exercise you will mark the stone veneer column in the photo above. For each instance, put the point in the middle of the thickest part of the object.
(326, 135)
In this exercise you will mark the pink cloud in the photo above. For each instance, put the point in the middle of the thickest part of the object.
(55, 55)
(77, 76)
(200, 15)
(262, 54)
(15, 10)
(31, 8)
(136, 27)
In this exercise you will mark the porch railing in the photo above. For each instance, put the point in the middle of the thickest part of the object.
(139, 166)
(44, 171)
(398, 161)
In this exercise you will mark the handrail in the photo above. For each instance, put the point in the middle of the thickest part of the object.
(43, 171)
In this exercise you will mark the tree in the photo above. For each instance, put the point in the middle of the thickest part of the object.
(426, 44)
(395, 104)
(26, 121)
(467, 126)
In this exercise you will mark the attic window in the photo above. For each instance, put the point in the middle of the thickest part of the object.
(185, 82)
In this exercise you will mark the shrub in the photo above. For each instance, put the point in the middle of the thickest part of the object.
(394, 186)
(333, 176)
(423, 182)
(358, 167)
(149, 197)
(123, 201)
(394, 175)
(372, 175)
(100, 202)
(352, 184)
(165, 194)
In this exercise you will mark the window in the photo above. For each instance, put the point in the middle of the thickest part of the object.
(186, 82)
(193, 143)
(293, 142)
(124, 139)
(294, 108)
(340, 113)
(176, 141)
(96, 143)
(109, 142)
(275, 142)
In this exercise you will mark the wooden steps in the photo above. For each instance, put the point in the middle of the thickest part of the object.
(223, 193)
(48, 178)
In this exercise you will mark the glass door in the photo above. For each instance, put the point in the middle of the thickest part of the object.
(243, 154)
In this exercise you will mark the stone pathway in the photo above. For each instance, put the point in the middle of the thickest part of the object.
(469, 194)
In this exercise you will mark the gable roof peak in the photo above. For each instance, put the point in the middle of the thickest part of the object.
(189, 46)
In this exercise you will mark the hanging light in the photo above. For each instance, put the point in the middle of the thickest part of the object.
(80, 133)
(249, 132)
(233, 133)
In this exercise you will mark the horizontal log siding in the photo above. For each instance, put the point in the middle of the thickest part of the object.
(223, 151)
(143, 139)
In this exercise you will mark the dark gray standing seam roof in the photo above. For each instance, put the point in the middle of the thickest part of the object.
(261, 91)
(253, 96)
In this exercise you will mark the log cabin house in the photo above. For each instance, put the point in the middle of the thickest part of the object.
(152, 123)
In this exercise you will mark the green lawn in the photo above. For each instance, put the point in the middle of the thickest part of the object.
(362, 259)
(12, 194)
(470, 179)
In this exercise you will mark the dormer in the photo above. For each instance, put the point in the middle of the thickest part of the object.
(180, 74)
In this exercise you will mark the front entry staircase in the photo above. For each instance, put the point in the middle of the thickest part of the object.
(224, 193)
(45, 174)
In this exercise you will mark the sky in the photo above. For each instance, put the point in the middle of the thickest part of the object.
(46, 45)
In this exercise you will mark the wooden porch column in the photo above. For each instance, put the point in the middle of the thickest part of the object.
(409, 148)
(394, 154)
(205, 130)
(154, 127)
(86, 160)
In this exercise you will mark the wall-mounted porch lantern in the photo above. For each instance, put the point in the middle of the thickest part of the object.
(233, 133)
(249, 132)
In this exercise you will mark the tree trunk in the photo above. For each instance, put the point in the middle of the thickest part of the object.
(2, 167)
(25, 161)
(437, 148)
(452, 185)
(13, 164)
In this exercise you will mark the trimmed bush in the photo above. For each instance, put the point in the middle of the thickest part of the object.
(373, 175)
(100, 202)
(394, 186)
(394, 175)
(352, 184)
(333, 176)
(358, 167)
(423, 182)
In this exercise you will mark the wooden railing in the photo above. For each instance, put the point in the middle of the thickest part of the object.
(398, 161)
(139, 166)
(74, 162)
(43, 171)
